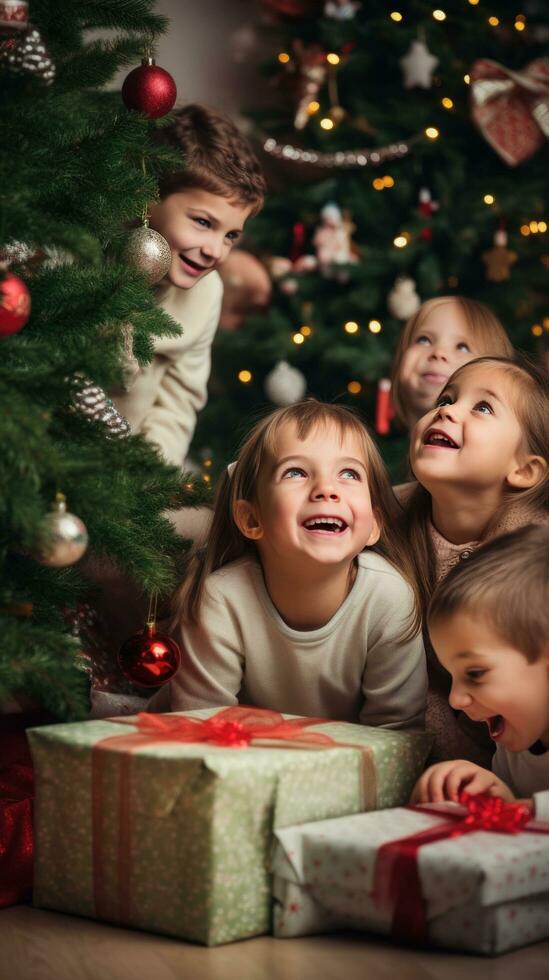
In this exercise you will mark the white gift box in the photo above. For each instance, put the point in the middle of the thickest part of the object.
(484, 892)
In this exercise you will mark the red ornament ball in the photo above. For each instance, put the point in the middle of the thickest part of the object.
(149, 658)
(149, 89)
(15, 304)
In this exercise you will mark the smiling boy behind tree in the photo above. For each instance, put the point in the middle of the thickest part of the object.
(202, 211)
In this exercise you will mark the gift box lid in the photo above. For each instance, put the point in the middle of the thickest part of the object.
(484, 868)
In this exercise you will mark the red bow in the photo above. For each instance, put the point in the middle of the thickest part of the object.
(234, 727)
(397, 883)
(511, 108)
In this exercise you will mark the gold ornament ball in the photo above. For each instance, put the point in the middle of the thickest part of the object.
(65, 536)
(148, 252)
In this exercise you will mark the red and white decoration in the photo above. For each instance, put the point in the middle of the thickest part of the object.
(511, 108)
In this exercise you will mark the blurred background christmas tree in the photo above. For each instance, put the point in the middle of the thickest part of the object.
(405, 149)
(77, 169)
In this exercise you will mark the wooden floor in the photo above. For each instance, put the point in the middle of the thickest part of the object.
(37, 945)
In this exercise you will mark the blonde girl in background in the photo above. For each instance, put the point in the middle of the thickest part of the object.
(481, 461)
(285, 609)
(445, 333)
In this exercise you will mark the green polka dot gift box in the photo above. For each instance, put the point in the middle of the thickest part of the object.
(166, 822)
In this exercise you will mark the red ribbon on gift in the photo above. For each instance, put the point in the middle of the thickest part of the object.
(511, 108)
(235, 727)
(397, 884)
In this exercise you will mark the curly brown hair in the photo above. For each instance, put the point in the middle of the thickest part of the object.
(216, 157)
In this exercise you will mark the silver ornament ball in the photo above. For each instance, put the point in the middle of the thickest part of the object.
(65, 536)
(148, 252)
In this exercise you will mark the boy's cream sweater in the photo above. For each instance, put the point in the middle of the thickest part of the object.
(165, 396)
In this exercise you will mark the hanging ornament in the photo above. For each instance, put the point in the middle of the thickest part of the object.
(511, 108)
(384, 407)
(149, 658)
(65, 536)
(13, 15)
(499, 259)
(148, 252)
(340, 9)
(15, 304)
(149, 89)
(26, 54)
(311, 75)
(418, 65)
(332, 240)
(426, 208)
(91, 401)
(285, 385)
(403, 301)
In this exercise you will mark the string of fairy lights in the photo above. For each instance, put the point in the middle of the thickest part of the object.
(329, 119)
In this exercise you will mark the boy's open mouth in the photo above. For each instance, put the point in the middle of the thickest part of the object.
(436, 437)
(327, 525)
(496, 726)
(194, 265)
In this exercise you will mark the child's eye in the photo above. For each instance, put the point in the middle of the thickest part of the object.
(475, 675)
(203, 222)
(423, 339)
(444, 400)
(349, 473)
(292, 472)
(233, 236)
(484, 408)
(463, 346)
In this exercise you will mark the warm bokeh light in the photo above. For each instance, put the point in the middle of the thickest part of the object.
(493, 21)
(395, 15)
(542, 226)
(447, 103)
(333, 58)
(525, 230)
(351, 327)
(245, 377)
(519, 25)
(388, 181)
(439, 15)
(283, 58)
(432, 132)
(474, 3)
(537, 329)
(488, 199)
(534, 226)
(313, 107)
(327, 123)
(354, 387)
(378, 184)
(467, 79)
(400, 241)
(306, 331)
(374, 326)
(298, 338)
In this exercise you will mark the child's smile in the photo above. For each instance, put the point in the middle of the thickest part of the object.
(494, 682)
(200, 228)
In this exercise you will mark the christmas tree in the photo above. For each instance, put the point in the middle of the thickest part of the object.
(405, 148)
(78, 168)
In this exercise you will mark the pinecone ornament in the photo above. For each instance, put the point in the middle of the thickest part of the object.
(27, 55)
(91, 401)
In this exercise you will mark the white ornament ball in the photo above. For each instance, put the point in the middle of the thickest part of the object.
(403, 301)
(65, 537)
(285, 385)
(279, 266)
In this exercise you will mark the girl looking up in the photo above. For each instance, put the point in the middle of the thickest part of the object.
(445, 333)
(481, 461)
(286, 609)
